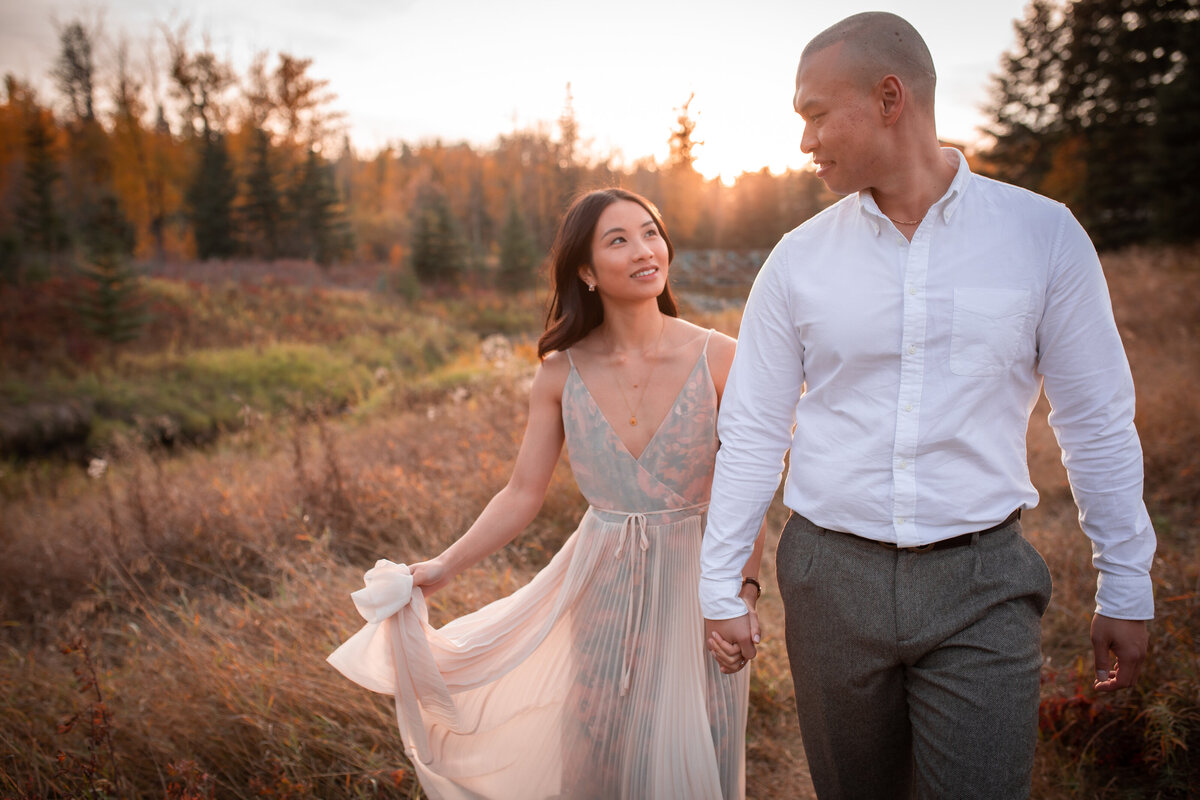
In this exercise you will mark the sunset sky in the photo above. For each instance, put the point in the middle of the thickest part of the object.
(472, 69)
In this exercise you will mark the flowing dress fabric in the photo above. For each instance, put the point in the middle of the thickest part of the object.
(592, 680)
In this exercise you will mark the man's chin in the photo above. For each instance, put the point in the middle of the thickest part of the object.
(838, 188)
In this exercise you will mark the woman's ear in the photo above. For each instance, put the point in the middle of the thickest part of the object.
(588, 276)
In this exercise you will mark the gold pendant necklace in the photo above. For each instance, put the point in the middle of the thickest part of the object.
(633, 421)
(633, 410)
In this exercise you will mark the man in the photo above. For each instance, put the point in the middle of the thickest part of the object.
(905, 332)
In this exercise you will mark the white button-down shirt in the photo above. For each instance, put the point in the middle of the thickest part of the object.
(902, 376)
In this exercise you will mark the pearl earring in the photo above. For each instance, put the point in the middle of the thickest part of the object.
(591, 287)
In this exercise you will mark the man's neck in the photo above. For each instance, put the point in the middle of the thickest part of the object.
(918, 180)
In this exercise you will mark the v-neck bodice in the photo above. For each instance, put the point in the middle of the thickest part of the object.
(675, 468)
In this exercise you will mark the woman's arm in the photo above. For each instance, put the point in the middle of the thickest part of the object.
(514, 506)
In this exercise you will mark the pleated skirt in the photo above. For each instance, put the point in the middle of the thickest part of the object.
(591, 681)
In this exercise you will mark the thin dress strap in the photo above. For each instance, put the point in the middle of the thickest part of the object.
(571, 361)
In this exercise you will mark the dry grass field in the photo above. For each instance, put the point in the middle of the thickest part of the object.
(166, 617)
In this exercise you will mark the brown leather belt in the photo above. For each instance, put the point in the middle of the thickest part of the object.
(944, 544)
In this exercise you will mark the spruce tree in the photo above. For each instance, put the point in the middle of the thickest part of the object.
(1027, 122)
(1096, 107)
(321, 227)
(518, 255)
(210, 200)
(111, 301)
(262, 210)
(43, 231)
(436, 250)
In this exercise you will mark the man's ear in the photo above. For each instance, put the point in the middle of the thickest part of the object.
(891, 94)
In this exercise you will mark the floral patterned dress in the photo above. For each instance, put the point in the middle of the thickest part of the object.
(591, 681)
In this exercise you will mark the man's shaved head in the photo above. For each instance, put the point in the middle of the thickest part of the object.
(875, 44)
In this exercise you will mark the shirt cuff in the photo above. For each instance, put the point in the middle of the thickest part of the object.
(1125, 597)
(719, 598)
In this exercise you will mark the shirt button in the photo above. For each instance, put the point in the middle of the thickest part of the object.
(912, 349)
(899, 520)
(903, 464)
(912, 290)
(908, 406)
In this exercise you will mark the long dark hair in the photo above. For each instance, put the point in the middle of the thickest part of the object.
(574, 311)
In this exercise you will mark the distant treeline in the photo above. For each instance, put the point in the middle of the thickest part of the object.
(1095, 105)
(190, 160)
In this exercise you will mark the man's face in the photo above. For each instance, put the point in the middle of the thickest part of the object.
(840, 121)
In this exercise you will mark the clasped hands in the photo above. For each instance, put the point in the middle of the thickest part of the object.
(733, 641)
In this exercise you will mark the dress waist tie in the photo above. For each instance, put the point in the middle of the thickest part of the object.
(633, 621)
(633, 532)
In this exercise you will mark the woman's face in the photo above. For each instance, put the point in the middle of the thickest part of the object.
(629, 255)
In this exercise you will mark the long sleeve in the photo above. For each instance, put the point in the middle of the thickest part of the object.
(754, 426)
(1090, 389)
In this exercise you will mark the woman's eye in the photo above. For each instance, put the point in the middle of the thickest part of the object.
(652, 233)
(618, 240)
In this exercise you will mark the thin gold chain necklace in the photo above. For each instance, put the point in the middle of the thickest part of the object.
(645, 384)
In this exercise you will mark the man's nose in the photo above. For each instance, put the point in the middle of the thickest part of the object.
(808, 140)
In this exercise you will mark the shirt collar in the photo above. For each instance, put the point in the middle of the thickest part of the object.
(947, 205)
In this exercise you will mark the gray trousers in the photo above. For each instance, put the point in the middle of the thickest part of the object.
(916, 673)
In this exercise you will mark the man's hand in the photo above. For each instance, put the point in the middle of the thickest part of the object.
(1127, 640)
(731, 641)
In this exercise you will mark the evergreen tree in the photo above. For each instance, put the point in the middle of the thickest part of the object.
(111, 300)
(682, 185)
(1176, 153)
(1097, 107)
(1026, 117)
(91, 195)
(262, 210)
(41, 226)
(210, 200)
(570, 166)
(518, 255)
(436, 250)
(1104, 93)
(322, 232)
(75, 70)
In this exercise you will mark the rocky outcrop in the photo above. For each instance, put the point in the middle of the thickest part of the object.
(43, 429)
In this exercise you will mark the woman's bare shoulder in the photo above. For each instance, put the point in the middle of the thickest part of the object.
(551, 375)
(721, 346)
(721, 349)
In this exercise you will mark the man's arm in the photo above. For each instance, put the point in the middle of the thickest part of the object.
(755, 424)
(1090, 389)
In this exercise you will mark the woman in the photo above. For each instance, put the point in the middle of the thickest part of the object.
(592, 680)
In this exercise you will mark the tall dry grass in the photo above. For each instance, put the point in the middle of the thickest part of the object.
(165, 624)
(1146, 742)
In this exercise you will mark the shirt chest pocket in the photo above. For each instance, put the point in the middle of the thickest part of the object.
(989, 326)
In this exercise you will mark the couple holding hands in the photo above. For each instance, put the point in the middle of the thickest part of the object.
(895, 344)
